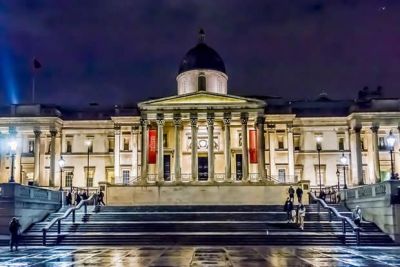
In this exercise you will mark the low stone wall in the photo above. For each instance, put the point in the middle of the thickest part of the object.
(379, 203)
(28, 203)
(191, 194)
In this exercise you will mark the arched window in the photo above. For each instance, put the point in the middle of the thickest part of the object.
(201, 81)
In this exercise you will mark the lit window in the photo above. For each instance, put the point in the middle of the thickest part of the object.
(31, 146)
(341, 143)
(296, 142)
(69, 176)
(69, 146)
(111, 144)
(126, 143)
(280, 142)
(125, 176)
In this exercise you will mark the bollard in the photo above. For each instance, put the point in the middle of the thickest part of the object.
(330, 215)
(85, 208)
(73, 215)
(344, 226)
(44, 237)
(59, 226)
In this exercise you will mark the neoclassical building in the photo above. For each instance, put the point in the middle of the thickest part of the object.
(204, 135)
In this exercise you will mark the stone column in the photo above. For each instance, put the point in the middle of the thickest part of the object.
(261, 146)
(36, 174)
(134, 137)
(244, 117)
(177, 166)
(117, 151)
(160, 148)
(53, 135)
(375, 151)
(143, 173)
(271, 139)
(227, 152)
(291, 153)
(356, 156)
(210, 133)
(193, 124)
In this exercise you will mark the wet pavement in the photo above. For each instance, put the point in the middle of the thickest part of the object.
(201, 256)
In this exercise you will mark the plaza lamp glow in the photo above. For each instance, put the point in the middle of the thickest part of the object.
(343, 160)
(319, 139)
(13, 149)
(391, 140)
(61, 163)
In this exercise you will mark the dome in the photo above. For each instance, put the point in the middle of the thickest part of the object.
(202, 57)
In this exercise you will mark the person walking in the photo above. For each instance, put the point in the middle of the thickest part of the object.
(291, 193)
(288, 207)
(302, 215)
(101, 198)
(84, 195)
(69, 198)
(78, 198)
(14, 232)
(299, 194)
(357, 216)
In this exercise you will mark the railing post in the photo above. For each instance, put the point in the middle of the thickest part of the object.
(330, 215)
(318, 207)
(344, 226)
(85, 207)
(44, 237)
(73, 215)
(59, 226)
(358, 236)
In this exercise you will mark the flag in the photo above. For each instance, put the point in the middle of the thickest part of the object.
(36, 64)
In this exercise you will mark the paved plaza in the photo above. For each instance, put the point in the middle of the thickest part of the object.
(201, 256)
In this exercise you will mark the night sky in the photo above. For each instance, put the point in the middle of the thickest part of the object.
(121, 52)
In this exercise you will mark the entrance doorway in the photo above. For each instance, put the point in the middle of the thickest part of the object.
(167, 167)
(203, 168)
(239, 166)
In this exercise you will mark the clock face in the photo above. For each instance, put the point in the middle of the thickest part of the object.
(203, 143)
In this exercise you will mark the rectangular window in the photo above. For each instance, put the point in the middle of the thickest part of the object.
(125, 176)
(240, 139)
(68, 147)
(341, 143)
(282, 175)
(363, 144)
(31, 146)
(110, 175)
(296, 143)
(165, 140)
(280, 142)
(317, 174)
(89, 175)
(381, 143)
(111, 144)
(126, 143)
(69, 177)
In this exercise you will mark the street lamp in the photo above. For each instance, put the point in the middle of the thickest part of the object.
(13, 149)
(319, 139)
(391, 140)
(61, 163)
(343, 159)
(88, 143)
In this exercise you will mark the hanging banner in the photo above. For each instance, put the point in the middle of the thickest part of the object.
(152, 148)
(253, 146)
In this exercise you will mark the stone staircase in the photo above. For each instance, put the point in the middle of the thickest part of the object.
(201, 225)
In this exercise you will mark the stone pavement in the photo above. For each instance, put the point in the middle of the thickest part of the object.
(201, 256)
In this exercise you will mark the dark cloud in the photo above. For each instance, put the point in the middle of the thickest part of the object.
(126, 51)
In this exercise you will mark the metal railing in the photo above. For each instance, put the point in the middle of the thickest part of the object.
(344, 219)
(65, 216)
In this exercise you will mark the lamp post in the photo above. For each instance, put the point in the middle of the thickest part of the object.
(338, 179)
(391, 140)
(319, 141)
(88, 143)
(13, 149)
(61, 163)
(343, 159)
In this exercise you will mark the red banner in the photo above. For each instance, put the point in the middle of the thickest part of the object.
(253, 146)
(152, 147)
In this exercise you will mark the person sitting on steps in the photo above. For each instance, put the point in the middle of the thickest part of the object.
(357, 216)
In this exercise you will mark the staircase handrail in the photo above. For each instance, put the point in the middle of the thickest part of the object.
(65, 216)
(344, 219)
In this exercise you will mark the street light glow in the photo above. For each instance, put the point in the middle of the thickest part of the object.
(391, 140)
(343, 159)
(88, 142)
(319, 139)
(13, 145)
(61, 162)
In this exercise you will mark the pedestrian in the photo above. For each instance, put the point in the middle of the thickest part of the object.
(288, 207)
(84, 195)
(291, 193)
(78, 198)
(69, 198)
(357, 216)
(322, 195)
(302, 215)
(14, 232)
(101, 198)
(334, 196)
(299, 193)
(339, 198)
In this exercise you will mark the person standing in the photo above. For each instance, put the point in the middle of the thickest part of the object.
(302, 215)
(14, 231)
(299, 193)
(69, 198)
(101, 198)
(291, 193)
(78, 198)
(357, 216)
(288, 207)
